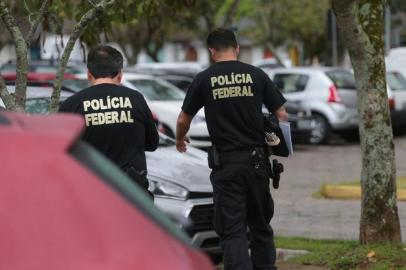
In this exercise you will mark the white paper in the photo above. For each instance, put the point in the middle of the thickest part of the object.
(285, 126)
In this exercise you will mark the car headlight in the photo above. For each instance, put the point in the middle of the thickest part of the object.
(168, 189)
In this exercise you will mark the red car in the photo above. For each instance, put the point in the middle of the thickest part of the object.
(37, 76)
(64, 206)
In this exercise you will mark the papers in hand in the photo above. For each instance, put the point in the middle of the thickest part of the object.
(285, 127)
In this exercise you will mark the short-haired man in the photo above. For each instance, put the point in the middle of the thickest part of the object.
(118, 121)
(232, 94)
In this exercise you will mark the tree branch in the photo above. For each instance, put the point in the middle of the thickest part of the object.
(38, 19)
(230, 13)
(5, 95)
(21, 53)
(89, 16)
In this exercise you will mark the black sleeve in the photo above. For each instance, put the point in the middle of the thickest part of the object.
(194, 100)
(151, 133)
(64, 106)
(273, 98)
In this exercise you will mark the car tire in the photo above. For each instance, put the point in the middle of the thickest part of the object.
(321, 131)
(351, 135)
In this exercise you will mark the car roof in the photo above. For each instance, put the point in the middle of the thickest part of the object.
(137, 76)
(66, 127)
(307, 70)
(40, 92)
(168, 65)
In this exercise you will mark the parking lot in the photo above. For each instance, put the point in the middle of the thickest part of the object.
(299, 214)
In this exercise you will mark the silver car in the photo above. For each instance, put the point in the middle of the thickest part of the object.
(329, 93)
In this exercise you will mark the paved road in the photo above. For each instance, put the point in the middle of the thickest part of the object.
(298, 214)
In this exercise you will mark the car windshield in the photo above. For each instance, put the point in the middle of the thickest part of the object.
(157, 90)
(76, 85)
(342, 79)
(396, 81)
(37, 105)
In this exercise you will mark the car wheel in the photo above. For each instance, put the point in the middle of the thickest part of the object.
(321, 131)
(351, 135)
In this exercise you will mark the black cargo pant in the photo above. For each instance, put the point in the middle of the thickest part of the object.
(242, 197)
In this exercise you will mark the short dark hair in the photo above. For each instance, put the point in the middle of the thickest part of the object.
(222, 38)
(104, 62)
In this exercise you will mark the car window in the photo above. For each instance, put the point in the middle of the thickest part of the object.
(37, 105)
(342, 79)
(111, 175)
(289, 83)
(157, 90)
(396, 81)
(181, 84)
(76, 85)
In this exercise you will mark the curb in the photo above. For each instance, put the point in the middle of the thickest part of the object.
(351, 192)
(287, 254)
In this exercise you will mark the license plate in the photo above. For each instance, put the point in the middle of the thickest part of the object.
(304, 124)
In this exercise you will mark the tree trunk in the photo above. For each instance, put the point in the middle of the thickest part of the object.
(361, 22)
(77, 30)
(16, 101)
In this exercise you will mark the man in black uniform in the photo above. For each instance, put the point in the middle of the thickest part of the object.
(118, 120)
(232, 94)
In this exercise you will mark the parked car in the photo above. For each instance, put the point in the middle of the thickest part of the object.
(327, 92)
(397, 85)
(64, 206)
(38, 98)
(301, 122)
(180, 182)
(181, 187)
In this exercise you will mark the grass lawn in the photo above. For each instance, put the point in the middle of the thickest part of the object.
(337, 254)
(352, 190)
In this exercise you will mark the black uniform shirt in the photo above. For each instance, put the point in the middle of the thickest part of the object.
(232, 94)
(118, 121)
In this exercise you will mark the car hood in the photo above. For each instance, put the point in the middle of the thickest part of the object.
(189, 169)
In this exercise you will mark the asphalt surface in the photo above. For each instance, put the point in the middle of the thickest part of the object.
(297, 213)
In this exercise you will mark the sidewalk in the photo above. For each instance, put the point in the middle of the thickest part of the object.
(298, 214)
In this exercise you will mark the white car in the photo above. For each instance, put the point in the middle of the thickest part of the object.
(165, 101)
(397, 84)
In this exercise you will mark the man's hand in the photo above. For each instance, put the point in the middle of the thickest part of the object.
(181, 145)
(182, 127)
(282, 114)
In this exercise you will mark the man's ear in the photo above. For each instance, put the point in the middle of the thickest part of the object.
(212, 52)
(237, 50)
(119, 76)
(90, 77)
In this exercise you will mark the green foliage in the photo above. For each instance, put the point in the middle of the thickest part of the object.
(286, 21)
(336, 254)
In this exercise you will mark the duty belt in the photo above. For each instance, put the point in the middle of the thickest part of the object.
(241, 156)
